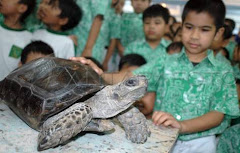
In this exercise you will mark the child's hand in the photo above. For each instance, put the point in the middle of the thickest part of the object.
(88, 62)
(165, 119)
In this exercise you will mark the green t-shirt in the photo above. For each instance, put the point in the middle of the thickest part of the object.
(142, 48)
(131, 28)
(229, 141)
(188, 91)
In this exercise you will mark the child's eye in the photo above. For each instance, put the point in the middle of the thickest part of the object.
(188, 27)
(205, 30)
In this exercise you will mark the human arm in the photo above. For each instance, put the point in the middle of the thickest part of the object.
(110, 51)
(120, 47)
(202, 123)
(110, 78)
(93, 34)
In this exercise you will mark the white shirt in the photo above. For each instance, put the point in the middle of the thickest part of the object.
(11, 44)
(62, 45)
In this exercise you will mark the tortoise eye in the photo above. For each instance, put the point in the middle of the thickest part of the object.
(131, 82)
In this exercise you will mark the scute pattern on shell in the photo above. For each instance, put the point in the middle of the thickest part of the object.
(45, 87)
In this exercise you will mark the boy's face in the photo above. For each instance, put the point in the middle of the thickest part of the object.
(140, 5)
(198, 32)
(9, 7)
(49, 13)
(154, 28)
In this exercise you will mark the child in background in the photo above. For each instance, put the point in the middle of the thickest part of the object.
(131, 62)
(93, 31)
(59, 16)
(111, 60)
(155, 20)
(35, 50)
(177, 36)
(174, 48)
(196, 93)
(132, 25)
(13, 37)
(220, 43)
(232, 43)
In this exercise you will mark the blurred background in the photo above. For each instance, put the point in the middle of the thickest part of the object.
(176, 7)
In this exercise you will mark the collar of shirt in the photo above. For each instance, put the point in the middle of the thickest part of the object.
(163, 43)
(209, 59)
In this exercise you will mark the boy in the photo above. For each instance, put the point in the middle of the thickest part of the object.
(174, 48)
(224, 39)
(14, 13)
(35, 50)
(59, 16)
(195, 92)
(155, 21)
(132, 24)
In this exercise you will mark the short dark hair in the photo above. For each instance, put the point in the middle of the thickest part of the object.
(227, 32)
(215, 8)
(69, 9)
(131, 60)
(156, 10)
(231, 23)
(35, 47)
(30, 7)
(174, 46)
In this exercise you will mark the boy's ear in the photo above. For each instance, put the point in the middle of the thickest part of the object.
(63, 21)
(219, 33)
(22, 8)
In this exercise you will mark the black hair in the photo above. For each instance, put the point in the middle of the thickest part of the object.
(131, 60)
(156, 10)
(231, 22)
(95, 61)
(175, 46)
(215, 8)
(30, 7)
(227, 32)
(36, 47)
(69, 9)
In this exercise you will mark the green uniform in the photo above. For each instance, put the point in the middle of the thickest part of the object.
(131, 28)
(142, 48)
(229, 141)
(230, 47)
(90, 10)
(188, 91)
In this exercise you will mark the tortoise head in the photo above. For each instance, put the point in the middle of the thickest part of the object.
(114, 99)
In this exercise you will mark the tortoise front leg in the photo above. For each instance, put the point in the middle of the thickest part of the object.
(135, 125)
(63, 126)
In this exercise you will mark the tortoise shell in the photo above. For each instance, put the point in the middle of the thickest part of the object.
(46, 86)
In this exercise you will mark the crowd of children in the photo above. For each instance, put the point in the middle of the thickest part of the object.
(192, 66)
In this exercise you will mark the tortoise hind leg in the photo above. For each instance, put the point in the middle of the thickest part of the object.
(63, 126)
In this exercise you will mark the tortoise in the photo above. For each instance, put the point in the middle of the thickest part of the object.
(60, 98)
